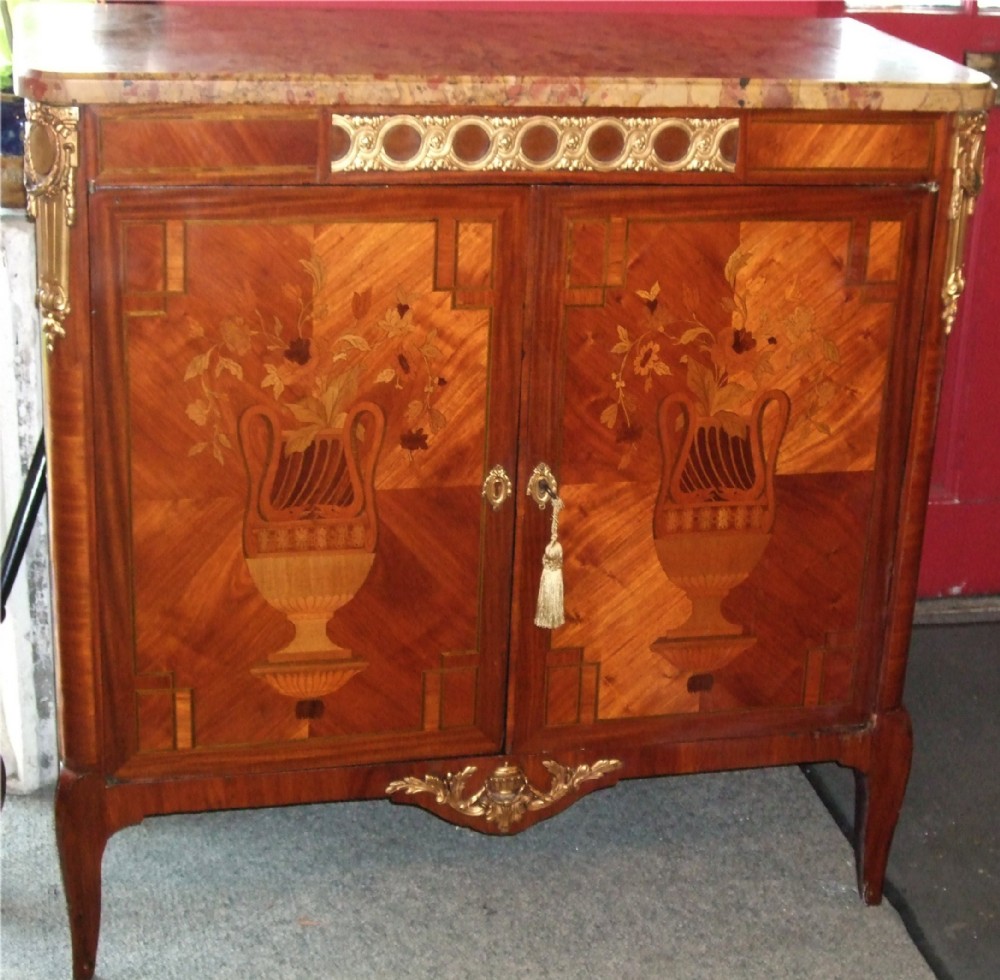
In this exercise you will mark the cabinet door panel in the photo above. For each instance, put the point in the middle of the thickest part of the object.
(313, 388)
(720, 371)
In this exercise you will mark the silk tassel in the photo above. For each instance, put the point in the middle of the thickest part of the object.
(550, 613)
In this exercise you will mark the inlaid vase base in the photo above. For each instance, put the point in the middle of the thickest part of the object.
(307, 680)
(701, 654)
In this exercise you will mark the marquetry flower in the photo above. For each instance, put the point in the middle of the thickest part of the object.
(235, 334)
(198, 411)
(647, 360)
(628, 433)
(650, 297)
(413, 439)
(743, 341)
(316, 366)
(298, 351)
(735, 353)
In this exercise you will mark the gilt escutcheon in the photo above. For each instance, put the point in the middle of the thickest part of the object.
(497, 487)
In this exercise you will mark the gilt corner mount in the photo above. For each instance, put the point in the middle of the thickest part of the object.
(968, 150)
(51, 156)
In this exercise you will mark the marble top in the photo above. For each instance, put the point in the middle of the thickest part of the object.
(310, 55)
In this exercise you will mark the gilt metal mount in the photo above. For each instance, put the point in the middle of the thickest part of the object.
(506, 794)
(51, 156)
(513, 143)
(967, 165)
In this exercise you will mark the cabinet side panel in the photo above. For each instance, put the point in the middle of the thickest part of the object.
(70, 487)
(926, 362)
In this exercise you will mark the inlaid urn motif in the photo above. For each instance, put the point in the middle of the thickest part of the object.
(713, 518)
(309, 538)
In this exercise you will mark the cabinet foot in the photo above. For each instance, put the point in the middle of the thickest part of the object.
(81, 835)
(878, 798)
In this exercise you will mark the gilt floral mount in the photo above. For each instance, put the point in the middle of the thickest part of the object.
(315, 371)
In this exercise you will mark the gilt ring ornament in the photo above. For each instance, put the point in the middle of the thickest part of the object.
(478, 143)
(506, 794)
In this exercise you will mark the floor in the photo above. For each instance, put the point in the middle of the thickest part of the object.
(720, 876)
(944, 868)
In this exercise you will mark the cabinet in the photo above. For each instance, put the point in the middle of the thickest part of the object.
(352, 347)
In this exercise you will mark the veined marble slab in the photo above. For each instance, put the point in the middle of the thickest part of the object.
(226, 53)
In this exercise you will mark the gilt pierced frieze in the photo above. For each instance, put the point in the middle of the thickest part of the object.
(473, 143)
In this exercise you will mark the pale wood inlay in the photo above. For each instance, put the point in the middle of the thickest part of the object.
(571, 688)
(450, 692)
(175, 257)
(474, 262)
(884, 251)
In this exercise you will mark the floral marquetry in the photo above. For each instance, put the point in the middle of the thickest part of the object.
(728, 379)
(319, 387)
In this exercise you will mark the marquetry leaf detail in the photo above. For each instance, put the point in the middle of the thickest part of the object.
(506, 795)
(313, 369)
(967, 163)
(473, 143)
(51, 156)
(724, 364)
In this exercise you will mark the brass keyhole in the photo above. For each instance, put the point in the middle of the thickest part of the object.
(497, 487)
(543, 486)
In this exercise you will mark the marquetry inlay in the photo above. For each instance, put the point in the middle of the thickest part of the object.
(472, 143)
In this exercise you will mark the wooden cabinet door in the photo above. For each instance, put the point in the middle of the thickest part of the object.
(721, 386)
(308, 389)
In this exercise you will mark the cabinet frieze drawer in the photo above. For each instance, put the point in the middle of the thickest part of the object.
(779, 146)
(472, 143)
(210, 147)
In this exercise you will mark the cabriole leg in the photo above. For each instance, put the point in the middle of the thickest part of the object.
(81, 835)
(878, 798)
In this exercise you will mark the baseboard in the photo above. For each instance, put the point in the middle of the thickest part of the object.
(958, 610)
